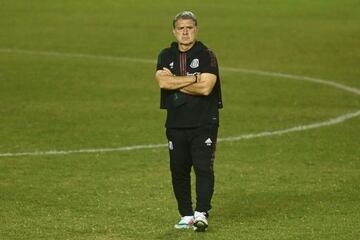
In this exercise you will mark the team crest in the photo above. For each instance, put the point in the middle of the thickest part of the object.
(194, 63)
(171, 65)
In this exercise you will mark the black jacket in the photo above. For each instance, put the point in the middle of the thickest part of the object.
(185, 110)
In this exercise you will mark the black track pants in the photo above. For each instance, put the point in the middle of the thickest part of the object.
(194, 147)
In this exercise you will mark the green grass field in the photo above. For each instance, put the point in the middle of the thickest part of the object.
(78, 75)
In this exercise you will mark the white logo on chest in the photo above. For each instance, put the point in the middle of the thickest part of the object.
(194, 63)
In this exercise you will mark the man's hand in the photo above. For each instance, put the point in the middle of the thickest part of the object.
(204, 86)
(167, 80)
(167, 71)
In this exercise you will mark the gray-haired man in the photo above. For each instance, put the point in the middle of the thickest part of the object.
(188, 76)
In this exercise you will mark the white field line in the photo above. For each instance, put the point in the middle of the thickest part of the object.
(95, 150)
(328, 122)
(226, 139)
(76, 55)
(300, 128)
(294, 77)
(142, 60)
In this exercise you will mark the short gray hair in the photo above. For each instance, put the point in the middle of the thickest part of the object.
(185, 15)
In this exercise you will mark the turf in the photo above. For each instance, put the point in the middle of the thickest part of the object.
(300, 185)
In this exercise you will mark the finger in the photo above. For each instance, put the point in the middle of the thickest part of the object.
(167, 70)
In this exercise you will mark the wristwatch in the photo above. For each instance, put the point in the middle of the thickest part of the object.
(196, 77)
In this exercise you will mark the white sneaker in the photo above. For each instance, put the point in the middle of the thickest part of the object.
(185, 222)
(200, 222)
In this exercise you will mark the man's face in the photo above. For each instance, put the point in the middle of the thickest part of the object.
(185, 31)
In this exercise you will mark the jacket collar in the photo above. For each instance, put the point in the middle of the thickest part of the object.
(198, 46)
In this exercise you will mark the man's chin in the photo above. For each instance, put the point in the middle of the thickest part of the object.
(187, 43)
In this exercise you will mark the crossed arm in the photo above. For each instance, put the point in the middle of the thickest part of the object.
(200, 85)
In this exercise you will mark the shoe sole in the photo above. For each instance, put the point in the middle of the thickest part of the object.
(200, 226)
(182, 226)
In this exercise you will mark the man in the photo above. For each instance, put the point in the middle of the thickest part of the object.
(188, 76)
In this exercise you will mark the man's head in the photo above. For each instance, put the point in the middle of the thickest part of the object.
(185, 28)
(185, 15)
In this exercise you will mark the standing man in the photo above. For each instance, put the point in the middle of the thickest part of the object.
(188, 76)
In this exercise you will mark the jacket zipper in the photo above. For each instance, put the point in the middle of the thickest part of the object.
(182, 61)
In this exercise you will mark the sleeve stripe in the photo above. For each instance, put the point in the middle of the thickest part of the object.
(213, 61)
